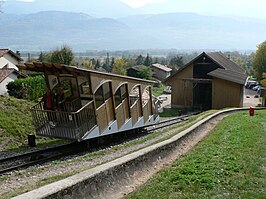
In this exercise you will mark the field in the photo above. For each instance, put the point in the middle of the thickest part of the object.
(230, 163)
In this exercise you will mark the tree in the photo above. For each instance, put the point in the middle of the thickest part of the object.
(148, 60)
(64, 55)
(107, 65)
(45, 57)
(259, 62)
(112, 62)
(263, 81)
(97, 64)
(119, 67)
(145, 72)
(87, 64)
(139, 60)
(176, 62)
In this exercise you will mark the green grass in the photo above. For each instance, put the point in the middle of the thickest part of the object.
(172, 112)
(16, 123)
(230, 163)
(178, 128)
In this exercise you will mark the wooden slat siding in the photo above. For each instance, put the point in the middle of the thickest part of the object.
(226, 94)
(146, 111)
(110, 110)
(120, 115)
(178, 93)
(126, 108)
(135, 112)
(102, 120)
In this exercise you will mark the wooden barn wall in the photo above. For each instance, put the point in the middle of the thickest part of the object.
(177, 97)
(226, 94)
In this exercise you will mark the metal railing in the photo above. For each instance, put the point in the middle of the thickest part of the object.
(70, 125)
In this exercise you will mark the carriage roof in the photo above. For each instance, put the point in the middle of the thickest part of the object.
(49, 67)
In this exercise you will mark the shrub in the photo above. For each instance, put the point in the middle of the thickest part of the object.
(30, 88)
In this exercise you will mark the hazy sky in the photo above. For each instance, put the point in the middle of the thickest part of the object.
(251, 8)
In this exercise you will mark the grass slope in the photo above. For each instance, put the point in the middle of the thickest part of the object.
(230, 163)
(16, 123)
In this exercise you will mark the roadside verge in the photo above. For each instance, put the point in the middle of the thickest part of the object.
(115, 178)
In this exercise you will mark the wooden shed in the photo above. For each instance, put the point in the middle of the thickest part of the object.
(210, 81)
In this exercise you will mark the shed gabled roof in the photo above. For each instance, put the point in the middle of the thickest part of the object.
(5, 51)
(162, 67)
(225, 62)
(229, 75)
(228, 70)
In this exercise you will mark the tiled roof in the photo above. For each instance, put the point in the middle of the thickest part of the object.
(228, 70)
(162, 67)
(4, 51)
(4, 73)
(225, 62)
(229, 75)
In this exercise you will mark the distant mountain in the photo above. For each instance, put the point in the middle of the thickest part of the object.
(49, 29)
(99, 8)
(190, 30)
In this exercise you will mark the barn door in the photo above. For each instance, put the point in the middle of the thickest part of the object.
(202, 96)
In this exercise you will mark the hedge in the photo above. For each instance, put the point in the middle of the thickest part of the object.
(30, 88)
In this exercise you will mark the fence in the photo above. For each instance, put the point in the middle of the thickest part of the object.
(70, 125)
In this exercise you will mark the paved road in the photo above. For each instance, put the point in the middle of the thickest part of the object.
(249, 98)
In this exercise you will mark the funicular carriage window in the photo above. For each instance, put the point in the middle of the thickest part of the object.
(123, 92)
(106, 91)
(102, 94)
(134, 95)
(99, 99)
(118, 99)
(84, 85)
(120, 95)
(145, 97)
(85, 88)
(67, 87)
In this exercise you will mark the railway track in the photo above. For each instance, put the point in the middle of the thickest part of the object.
(25, 160)
(169, 122)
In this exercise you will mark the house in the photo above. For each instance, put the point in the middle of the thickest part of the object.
(135, 71)
(210, 81)
(161, 72)
(9, 59)
(8, 70)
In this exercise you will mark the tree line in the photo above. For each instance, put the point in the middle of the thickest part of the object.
(254, 63)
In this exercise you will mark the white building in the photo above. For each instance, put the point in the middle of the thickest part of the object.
(8, 70)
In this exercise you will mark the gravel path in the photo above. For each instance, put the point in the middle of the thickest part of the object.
(35, 174)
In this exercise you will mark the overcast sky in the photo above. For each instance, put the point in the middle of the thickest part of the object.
(250, 8)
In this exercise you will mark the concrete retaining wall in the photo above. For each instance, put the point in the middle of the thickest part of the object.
(104, 180)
